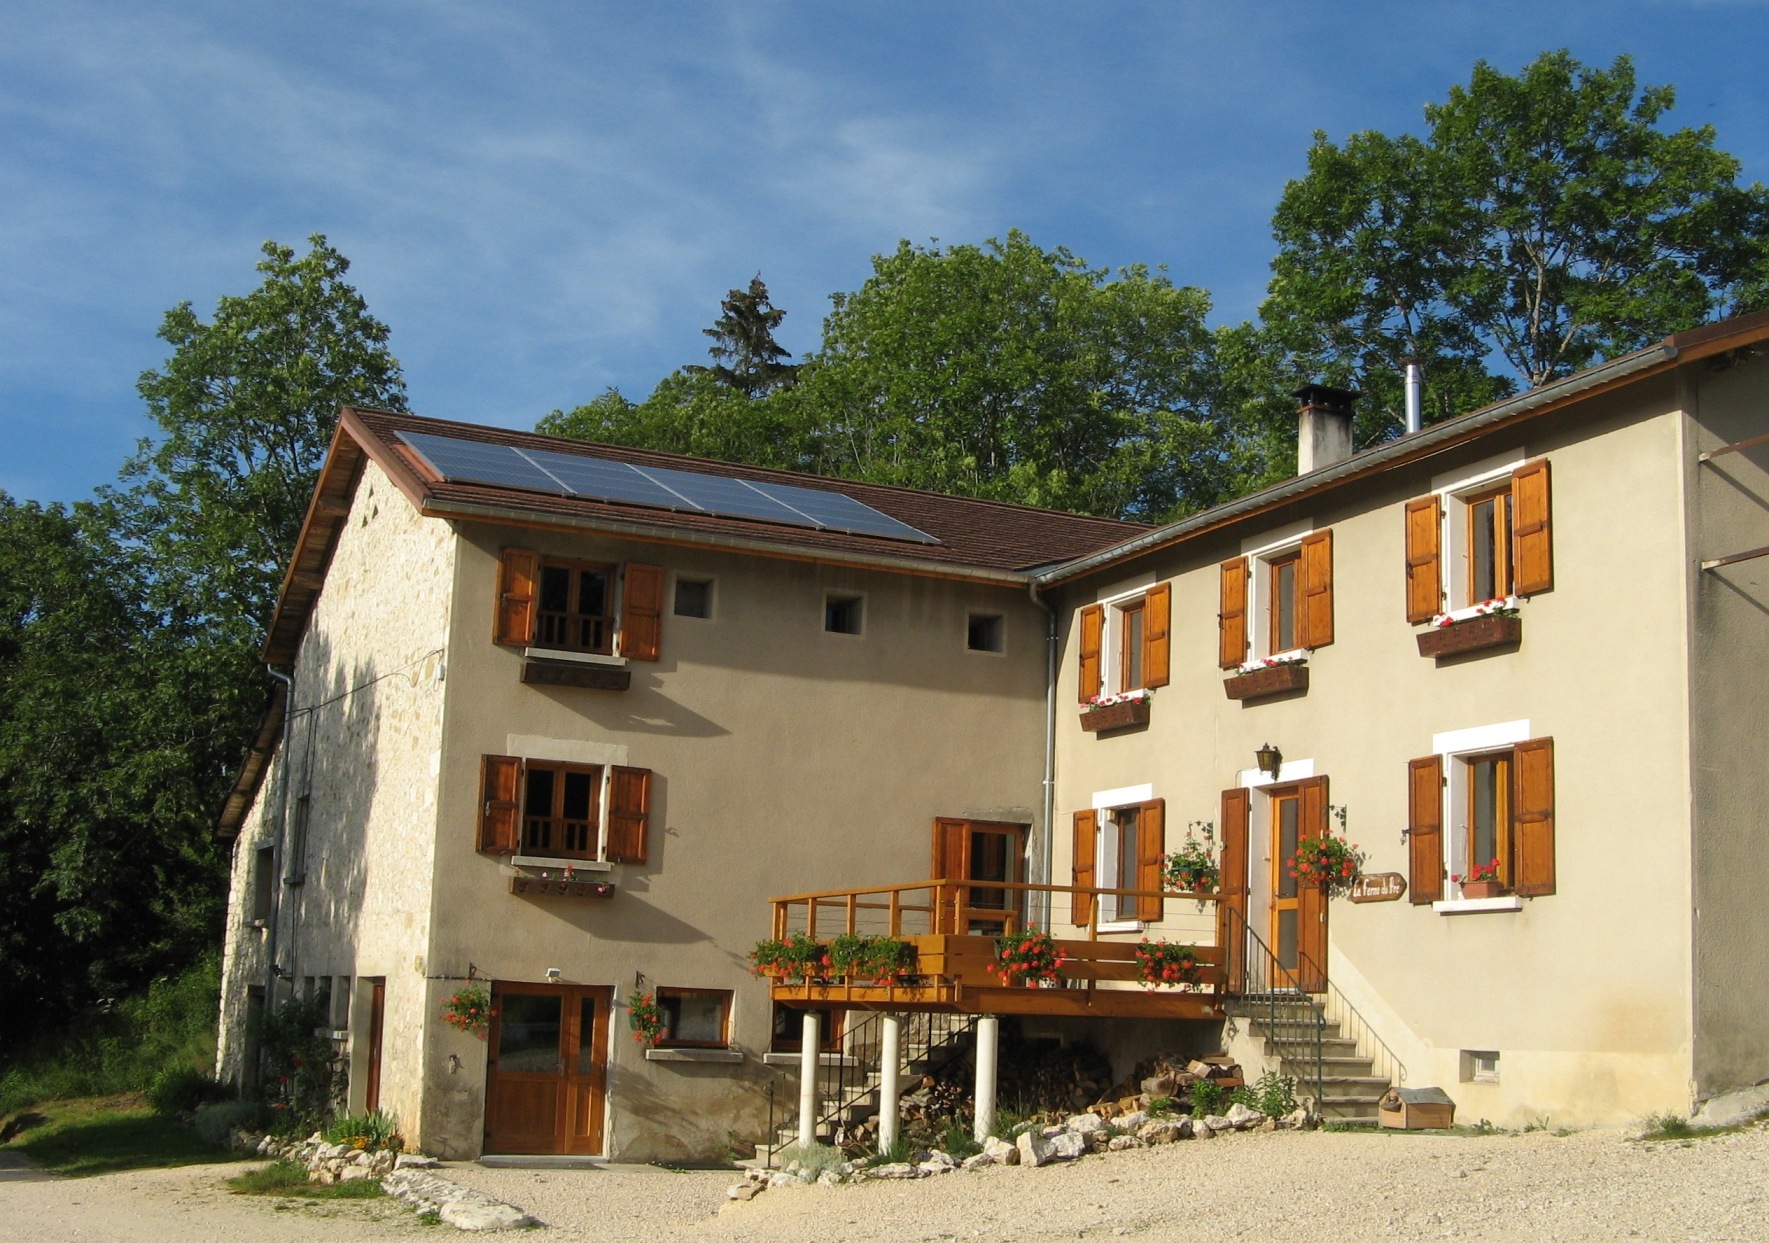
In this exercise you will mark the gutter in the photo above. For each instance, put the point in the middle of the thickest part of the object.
(1434, 439)
(278, 843)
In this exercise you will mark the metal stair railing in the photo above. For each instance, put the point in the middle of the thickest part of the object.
(1270, 991)
(1337, 1008)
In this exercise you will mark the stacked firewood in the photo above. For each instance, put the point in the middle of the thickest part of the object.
(1170, 1075)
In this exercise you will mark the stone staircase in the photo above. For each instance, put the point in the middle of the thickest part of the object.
(850, 1100)
(1287, 1023)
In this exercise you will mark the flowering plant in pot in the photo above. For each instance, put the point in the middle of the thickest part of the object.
(1163, 964)
(884, 960)
(1031, 959)
(646, 1018)
(1112, 698)
(1482, 881)
(469, 1010)
(1501, 607)
(1328, 860)
(794, 958)
(1193, 868)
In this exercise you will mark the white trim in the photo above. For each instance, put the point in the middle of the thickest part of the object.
(1295, 656)
(576, 865)
(564, 750)
(1474, 906)
(1453, 746)
(1125, 588)
(587, 658)
(1259, 551)
(1123, 796)
(1289, 770)
(1478, 609)
(1473, 475)
(1282, 539)
(1453, 533)
(1480, 738)
(1122, 925)
(693, 1055)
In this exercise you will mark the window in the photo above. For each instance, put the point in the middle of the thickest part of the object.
(1500, 805)
(1485, 536)
(557, 604)
(563, 811)
(1276, 600)
(1124, 643)
(694, 1018)
(1120, 847)
(789, 1030)
(694, 597)
(842, 614)
(263, 884)
(1479, 1066)
(985, 633)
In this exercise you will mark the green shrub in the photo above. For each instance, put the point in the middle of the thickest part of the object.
(180, 1089)
(372, 1131)
(289, 1178)
(300, 1078)
(1208, 1098)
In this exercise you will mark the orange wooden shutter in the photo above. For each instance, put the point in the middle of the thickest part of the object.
(1533, 798)
(1532, 536)
(1232, 620)
(1425, 830)
(1311, 907)
(1424, 574)
(519, 571)
(641, 612)
(1093, 625)
(1151, 856)
(1086, 844)
(1237, 814)
(1157, 623)
(629, 814)
(1317, 589)
(950, 839)
(500, 806)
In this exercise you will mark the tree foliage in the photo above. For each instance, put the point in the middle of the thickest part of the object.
(746, 356)
(1546, 220)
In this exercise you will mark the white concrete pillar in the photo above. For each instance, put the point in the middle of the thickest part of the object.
(890, 1063)
(808, 1080)
(988, 1044)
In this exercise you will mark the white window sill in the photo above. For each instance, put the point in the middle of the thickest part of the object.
(823, 1059)
(693, 1055)
(1122, 925)
(587, 658)
(1473, 610)
(1477, 906)
(576, 865)
(1295, 656)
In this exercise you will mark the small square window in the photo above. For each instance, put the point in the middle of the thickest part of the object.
(694, 597)
(842, 614)
(694, 1018)
(1480, 1066)
(985, 632)
(789, 1030)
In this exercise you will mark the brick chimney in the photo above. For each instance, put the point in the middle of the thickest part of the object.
(1323, 425)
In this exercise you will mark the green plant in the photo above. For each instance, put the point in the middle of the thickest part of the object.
(1328, 861)
(794, 958)
(180, 1089)
(812, 1158)
(1032, 959)
(1160, 1106)
(1208, 1098)
(372, 1131)
(1163, 964)
(1272, 1094)
(301, 1077)
(289, 1178)
(886, 960)
(469, 1010)
(646, 1018)
(955, 1139)
(1193, 868)
(1668, 1126)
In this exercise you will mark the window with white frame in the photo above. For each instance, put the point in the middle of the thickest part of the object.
(1277, 597)
(1120, 843)
(1481, 816)
(1482, 536)
(1124, 642)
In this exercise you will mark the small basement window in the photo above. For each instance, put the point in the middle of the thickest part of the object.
(842, 614)
(985, 632)
(694, 1018)
(1480, 1066)
(694, 597)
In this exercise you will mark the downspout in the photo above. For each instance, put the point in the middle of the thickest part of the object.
(277, 842)
(1050, 644)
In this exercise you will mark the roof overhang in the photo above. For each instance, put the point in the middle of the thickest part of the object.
(251, 774)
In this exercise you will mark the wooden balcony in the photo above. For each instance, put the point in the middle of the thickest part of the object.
(954, 926)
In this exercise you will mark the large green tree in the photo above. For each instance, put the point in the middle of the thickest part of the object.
(746, 357)
(1545, 221)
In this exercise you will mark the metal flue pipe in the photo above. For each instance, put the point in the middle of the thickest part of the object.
(1415, 394)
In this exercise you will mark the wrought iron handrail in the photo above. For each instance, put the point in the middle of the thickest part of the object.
(1265, 986)
(1338, 1009)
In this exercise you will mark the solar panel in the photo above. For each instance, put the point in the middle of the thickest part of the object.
(657, 487)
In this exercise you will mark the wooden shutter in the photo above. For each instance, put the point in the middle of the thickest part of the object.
(1086, 846)
(1232, 619)
(950, 839)
(1424, 571)
(500, 804)
(1532, 776)
(629, 814)
(1532, 536)
(519, 571)
(1425, 830)
(1093, 625)
(1317, 589)
(641, 611)
(1311, 905)
(1237, 814)
(1151, 856)
(1157, 624)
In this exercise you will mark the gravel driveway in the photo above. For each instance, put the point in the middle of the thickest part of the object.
(1286, 1186)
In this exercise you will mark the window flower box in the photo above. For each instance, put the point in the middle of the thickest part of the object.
(1270, 679)
(1482, 889)
(1097, 718)
(1471, 634)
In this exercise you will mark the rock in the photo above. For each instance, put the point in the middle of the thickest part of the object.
(1050, 1132)
(1244, 1119)
(1034, 1148)
(1732, 1108)
(1084, 1124)
(1067, 1146)
(943, 1159)
(976, 1161)
(1131, 1121)
(897, 1169)
(1298, 1118)
(1000, 1151)
(413, 1161)
(935, 1167)
(323, 1177)
(829, 1178)
(361, 1157)
(1270, 1124)
(1158, 1085)
(1097, 1140)
(488, 1214)
(1217, 1123)
(1119, 1143)
(743, 1191)
(1160, 1131)
(355, 1174)
(1201, 1129)
(783, 1179)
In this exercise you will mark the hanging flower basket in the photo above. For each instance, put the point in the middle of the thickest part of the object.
(1162, 964)
(1327, 861)
(646, 1018)
(1193, 867)
(1029, 960)
(469, 1010)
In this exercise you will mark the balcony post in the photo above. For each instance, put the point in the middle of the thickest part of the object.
(890, 1062)
(808, 1062)
(988, 1043)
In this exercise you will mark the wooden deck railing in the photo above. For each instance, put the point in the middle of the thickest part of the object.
(960, 907)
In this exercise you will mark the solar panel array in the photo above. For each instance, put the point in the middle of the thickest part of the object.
(657, 487)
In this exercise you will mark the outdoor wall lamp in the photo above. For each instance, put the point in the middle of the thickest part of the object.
(1270, 760)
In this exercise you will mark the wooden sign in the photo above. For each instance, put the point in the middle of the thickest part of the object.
(1379, 887)
(537, 887)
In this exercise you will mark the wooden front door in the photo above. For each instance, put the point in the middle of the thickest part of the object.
(547, 1073)
(984, 851)
(377, 1021)
(1298, 920)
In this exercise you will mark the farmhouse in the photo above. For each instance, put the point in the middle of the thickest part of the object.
(577, 721)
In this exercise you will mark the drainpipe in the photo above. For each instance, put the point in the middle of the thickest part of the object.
(277, 842)
(1050, 644)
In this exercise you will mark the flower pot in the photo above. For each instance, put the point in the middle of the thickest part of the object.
(1115, 716)
(1472, 634)
(1271, 680)
(1482, 889)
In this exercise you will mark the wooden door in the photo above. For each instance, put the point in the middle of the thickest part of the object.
(984, 851)
(1285, 919)
(546, 1077)
(377, 1020)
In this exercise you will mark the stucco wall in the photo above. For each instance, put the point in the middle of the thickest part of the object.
(365, 733)
(1585, 993)
(1729, 513)
(785, 759)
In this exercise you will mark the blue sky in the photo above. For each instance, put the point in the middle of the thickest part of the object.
(543, 200)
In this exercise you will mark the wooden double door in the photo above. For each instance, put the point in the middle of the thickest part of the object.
(547, 1070)
(983, 851)
(1295, 928)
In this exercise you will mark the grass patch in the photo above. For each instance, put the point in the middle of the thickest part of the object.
(289, 1178)
(1659, 1128)
(86, 1137)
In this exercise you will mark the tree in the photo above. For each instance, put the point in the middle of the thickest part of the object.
(747, 358)
(1546, 220)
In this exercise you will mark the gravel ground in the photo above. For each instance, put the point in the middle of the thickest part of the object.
(1290, 1186)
